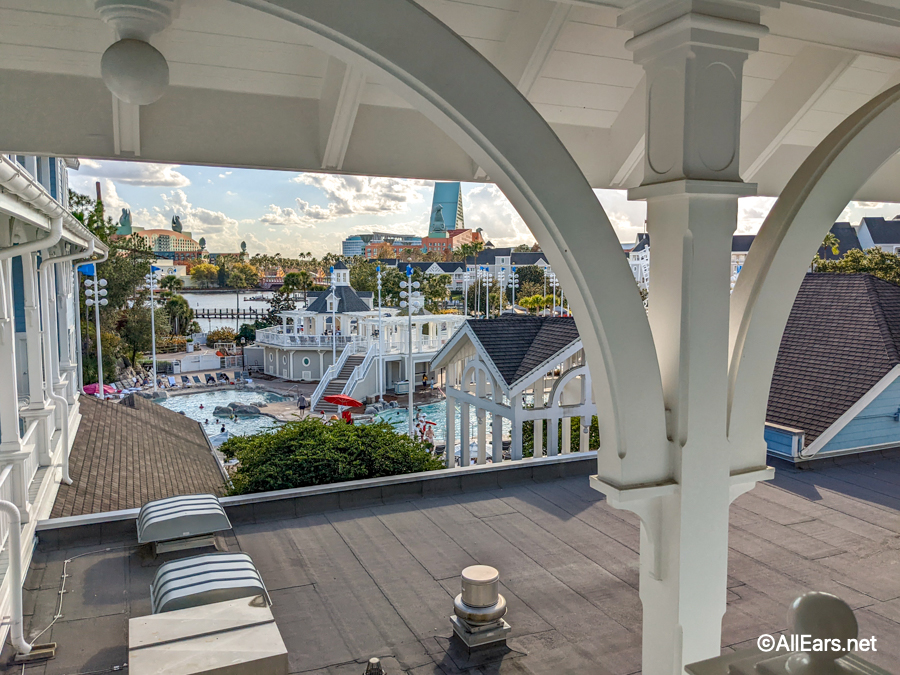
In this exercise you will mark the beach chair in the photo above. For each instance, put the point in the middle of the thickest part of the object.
(196, 380)
(160, 384)
(222, 377)
(210, 379)
(172, 383)
(185, 381)
(237, 377)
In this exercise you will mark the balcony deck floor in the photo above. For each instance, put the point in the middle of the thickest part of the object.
(379, 581)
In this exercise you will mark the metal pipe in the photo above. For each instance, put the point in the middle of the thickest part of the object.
(56, 230)
(58, 401)
(17, 622)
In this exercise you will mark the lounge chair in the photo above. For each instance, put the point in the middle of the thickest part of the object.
(210, 379)
(196, 380)
(222, 377)
(172, 383)
(237, 377)
(185, 381)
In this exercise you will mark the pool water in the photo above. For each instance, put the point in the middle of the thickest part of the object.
(437, 413)
(189, 404)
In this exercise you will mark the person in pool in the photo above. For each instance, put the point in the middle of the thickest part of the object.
(201, 406)
(222, 430)
(206, 422)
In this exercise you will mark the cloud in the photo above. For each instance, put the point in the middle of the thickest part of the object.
(135, 173)
(752, 211)
(231, 194)
(223, 175)
(356, 195)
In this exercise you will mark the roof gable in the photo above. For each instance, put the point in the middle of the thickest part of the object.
(348, 301)
(518, 344)
(842, 337)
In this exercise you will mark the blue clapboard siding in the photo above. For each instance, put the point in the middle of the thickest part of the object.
(875, 425)
(779, 441)
(18, 280)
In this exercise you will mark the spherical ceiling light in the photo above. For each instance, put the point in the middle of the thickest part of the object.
(134, 71)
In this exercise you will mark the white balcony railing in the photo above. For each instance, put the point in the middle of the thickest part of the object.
(277, 337)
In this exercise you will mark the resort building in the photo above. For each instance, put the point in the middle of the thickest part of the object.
(835, 390)
(527, 370)
(689, 105)
(173, 244)
(40, 344)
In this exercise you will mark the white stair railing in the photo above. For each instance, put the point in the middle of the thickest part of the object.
(361, 371)
(330, 374)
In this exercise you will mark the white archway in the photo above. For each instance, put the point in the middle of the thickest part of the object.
(475, 105)
(779, 258)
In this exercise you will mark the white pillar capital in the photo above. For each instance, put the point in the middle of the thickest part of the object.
(693, 53)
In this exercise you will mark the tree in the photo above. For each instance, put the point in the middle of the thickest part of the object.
(832, 243)
(384, 251)
(436, 290)
(291, 283)
(180, 314)
(171, 283)
(873, 261)
(134, 328)
(223, 334)
(278, 303)
(299, 454)
(92, 215)
(522, 248)
(304, 283)
(242, 275)
(204, 274)
(467, 250)
(364, 276)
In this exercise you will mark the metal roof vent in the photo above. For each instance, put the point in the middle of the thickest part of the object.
(204, 580)
(177, 523)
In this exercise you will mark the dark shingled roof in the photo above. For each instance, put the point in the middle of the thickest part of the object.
(847, 237)
(348, 301)
(126, 455)
(518, 344)
(842, 337)
(883, 231)
(526, 258)
(740, 243)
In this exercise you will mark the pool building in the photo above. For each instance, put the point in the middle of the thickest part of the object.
(341, 341)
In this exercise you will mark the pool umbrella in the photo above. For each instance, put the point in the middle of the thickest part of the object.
(340, 399)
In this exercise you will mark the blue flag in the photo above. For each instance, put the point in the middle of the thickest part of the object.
(87, 270)
(153, 268)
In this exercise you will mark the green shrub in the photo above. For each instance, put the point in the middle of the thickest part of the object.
(528, 436)
(310, 452)
(223, 334)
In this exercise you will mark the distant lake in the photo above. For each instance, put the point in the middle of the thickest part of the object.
(226, 301)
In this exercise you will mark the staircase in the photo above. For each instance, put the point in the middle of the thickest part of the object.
(336, 386)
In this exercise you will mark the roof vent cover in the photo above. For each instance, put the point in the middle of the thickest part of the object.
(181, 517)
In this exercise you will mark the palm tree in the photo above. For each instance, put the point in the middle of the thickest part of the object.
(304, 283)
(291, 283)
(171, 283)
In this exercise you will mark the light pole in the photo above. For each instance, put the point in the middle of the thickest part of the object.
(413, 300)
(554, 284)
(513, 284)
(546, 274)
(487, 293)
(333, 321)
(501, 282)
(150, 278)
(466, 279)
(243, 342)
(96, 298)
(380, 358)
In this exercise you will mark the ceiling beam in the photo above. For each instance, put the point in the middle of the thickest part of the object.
(126, 120)
(792, 95)
(342, 90)
(627, 138)
(531, 41)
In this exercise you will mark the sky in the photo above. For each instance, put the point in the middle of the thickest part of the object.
(289, 213)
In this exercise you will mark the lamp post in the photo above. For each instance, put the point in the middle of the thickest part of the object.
(380, 358)
(501, 282)
(151, 278)
(333, 320)
(96, 298)
(243, 342)
(513, 284)
(546, 274)
(487, 293)
(413, 300)
(466, 278)
(554, 284)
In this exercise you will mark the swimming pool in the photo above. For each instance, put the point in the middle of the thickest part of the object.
(189, 404)
(437, 413)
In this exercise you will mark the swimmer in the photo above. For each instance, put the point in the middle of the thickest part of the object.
(222, 430)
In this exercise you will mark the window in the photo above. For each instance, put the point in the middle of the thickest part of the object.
(305, 360)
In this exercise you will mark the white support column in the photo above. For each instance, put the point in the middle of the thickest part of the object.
(497, 439)
(464, 433)
(584, 441)
(552, 436)
(450, 434)
(9, 399)
(481, 421)
(693, 65)
(539, 424)
(33, 333)
(566, 435)
(515, 445)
